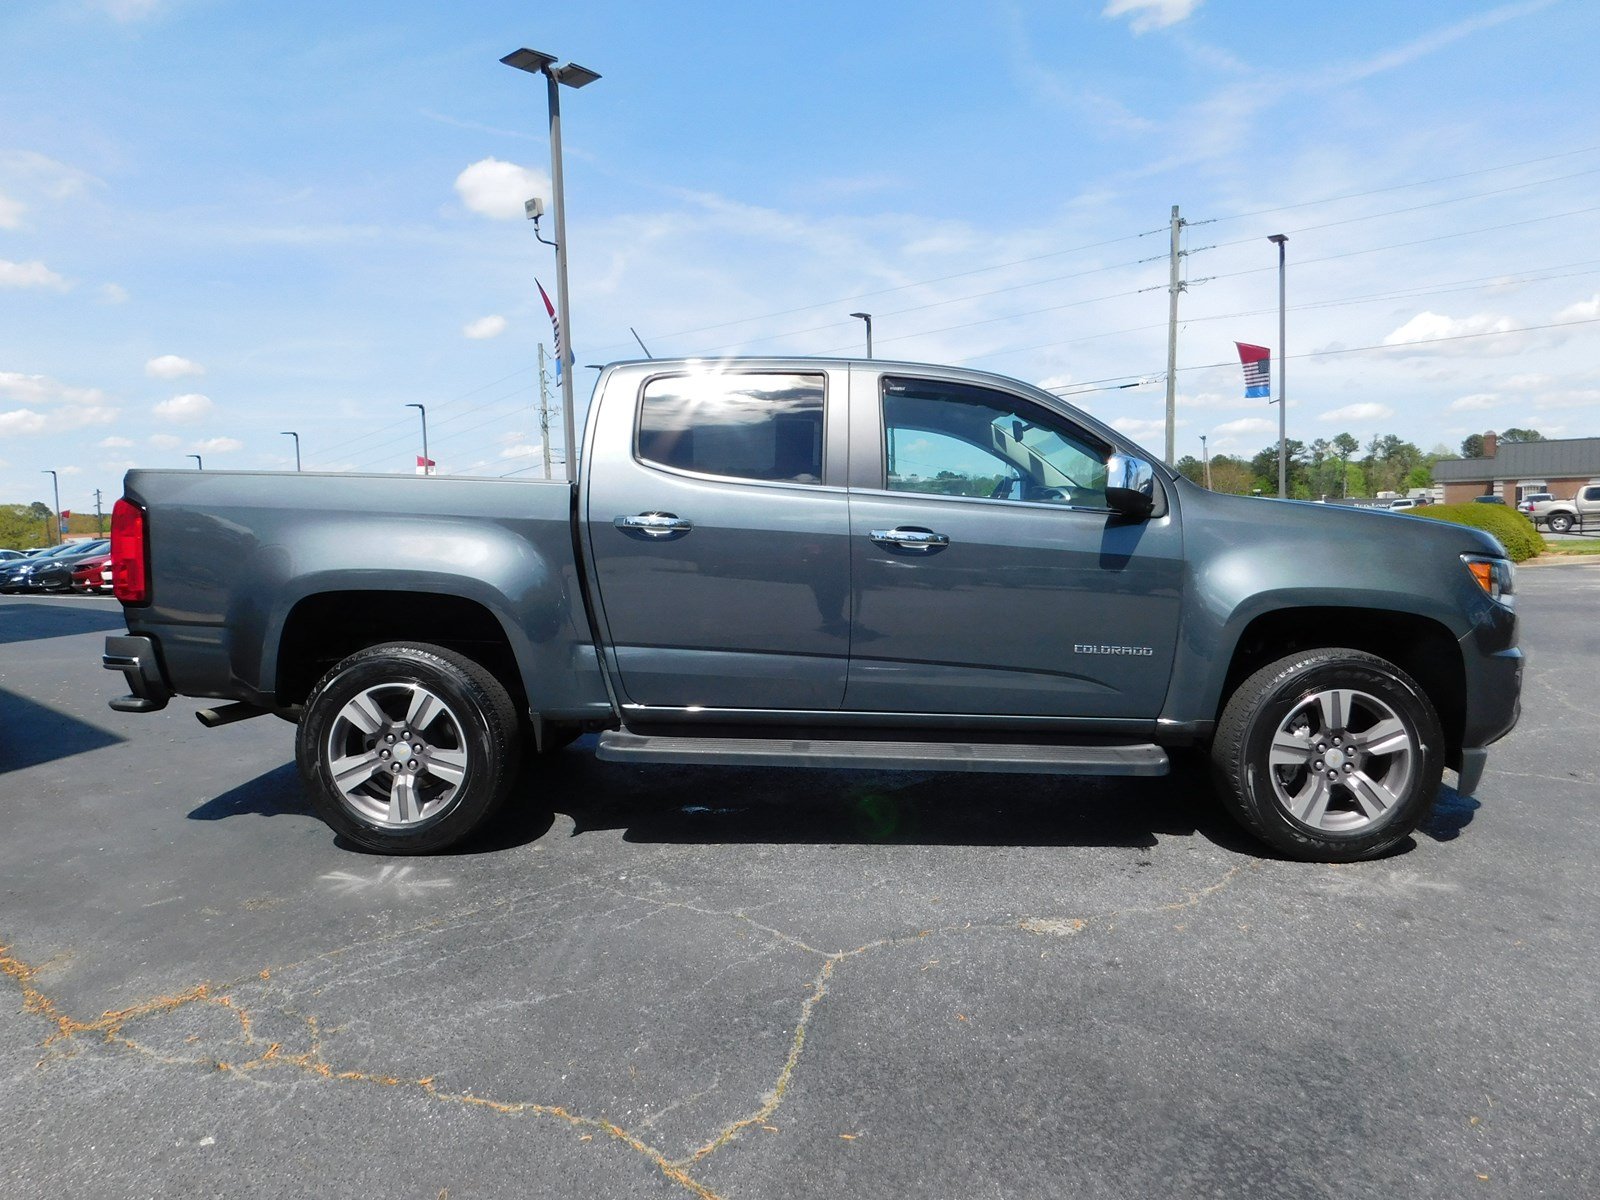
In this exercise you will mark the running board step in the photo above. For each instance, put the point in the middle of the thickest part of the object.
(1115, 759)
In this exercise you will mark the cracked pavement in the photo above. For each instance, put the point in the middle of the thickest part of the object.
(740, 983)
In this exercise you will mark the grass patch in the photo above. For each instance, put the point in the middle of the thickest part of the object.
(1564, 547)
(1514, 531)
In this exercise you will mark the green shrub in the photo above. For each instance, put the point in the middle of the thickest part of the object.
(1515, 531)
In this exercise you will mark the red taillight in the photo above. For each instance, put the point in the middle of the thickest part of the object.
(130, 572)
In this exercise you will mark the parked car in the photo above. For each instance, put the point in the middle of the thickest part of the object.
(17, 573)
(1563, 515)
(89, 574)
(1403, 502)
(10, 555)
(55, 573)
(1488, 500)
(823, 563)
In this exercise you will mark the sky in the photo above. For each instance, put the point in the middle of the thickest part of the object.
(220, 221)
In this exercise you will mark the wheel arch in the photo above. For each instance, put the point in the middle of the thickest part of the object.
(1423, 648)
(324, 627)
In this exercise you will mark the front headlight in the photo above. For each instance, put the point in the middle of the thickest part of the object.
(1496, 576)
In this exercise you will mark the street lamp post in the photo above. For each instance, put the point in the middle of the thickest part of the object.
(1283, 405)
(296, 437)
(425, 459)
(199, 464)
(55, 483)
(536, 62)
(867, 317)
(1205, 455)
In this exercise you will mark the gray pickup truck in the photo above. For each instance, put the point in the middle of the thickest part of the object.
(823, 563)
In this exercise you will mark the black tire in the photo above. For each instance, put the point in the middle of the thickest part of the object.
(1374, 767)
(1559, 523)
(470, 739)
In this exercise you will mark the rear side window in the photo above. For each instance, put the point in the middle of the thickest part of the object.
(749, 425)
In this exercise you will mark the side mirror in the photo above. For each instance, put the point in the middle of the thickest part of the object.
(1130, 486)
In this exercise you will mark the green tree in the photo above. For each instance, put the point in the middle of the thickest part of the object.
(1472, 446)
(1522, 435)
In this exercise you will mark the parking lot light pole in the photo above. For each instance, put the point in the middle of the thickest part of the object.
(425, 459)
(199, 464)
(296, 437)
(1283, 405)
(867, 317)
(536, 62)
(55, 522)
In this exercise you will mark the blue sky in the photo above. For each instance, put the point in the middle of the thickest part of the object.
(222, 220)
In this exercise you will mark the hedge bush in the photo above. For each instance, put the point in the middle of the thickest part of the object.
(1515, 531)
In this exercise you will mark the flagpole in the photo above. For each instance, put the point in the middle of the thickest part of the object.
(1283, 407)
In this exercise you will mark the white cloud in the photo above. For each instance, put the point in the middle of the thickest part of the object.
(113, 293)
(10, 212)
(29, 274)
(21, 420)
(164, 441)
(60, 420)
(1151, 14)
(1580, 310)
(1533, 382)
(219, 445)
(1142, 430)
(39, 173)
(1246, 425)
(485, 327)
(113, 443)
(1358, 412)
(497, 189)
(1431, 326)
(191, 406)
(524, 450)
(170, 366)
(1475, 403)
(41, 389)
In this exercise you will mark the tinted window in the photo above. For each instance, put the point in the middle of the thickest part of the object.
(741, 426)
(1591, 493)
(952, 440)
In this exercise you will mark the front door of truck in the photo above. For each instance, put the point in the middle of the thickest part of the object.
(719, 540)
(989, 576)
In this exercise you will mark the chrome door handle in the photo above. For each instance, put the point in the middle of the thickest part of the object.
(654, 526)
(921, 541)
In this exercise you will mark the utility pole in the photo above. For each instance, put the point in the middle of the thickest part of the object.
(99, 517)
(1173, 287)
(544, 412)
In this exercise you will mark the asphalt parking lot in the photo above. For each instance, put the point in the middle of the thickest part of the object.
(748, 984)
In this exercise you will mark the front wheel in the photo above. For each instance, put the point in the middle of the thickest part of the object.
(407, 748)
(1329, 755)
(1560, 523)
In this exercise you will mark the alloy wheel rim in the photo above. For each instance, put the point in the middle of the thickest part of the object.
(396, 754)
(1341, 761)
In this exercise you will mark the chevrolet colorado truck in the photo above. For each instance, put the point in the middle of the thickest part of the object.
(823, 563)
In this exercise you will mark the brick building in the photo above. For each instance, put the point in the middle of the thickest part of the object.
(1517, 469)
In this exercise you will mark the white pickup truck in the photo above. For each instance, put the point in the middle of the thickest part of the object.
(1563, 515)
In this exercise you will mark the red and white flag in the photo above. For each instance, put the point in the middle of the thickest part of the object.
(1257, 363)
(425, 466)
(555, 324)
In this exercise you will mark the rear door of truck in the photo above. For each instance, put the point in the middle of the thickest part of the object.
(717, 524)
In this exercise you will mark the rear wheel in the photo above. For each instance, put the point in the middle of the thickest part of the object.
(407, 748)
(1329, 755)
(1560, 523)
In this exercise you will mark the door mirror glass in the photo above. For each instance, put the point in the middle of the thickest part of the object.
(1130, 486)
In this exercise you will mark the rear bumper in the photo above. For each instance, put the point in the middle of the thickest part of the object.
(136, 658)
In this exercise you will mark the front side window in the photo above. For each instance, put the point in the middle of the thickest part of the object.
(764, 426)
(946, 439)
